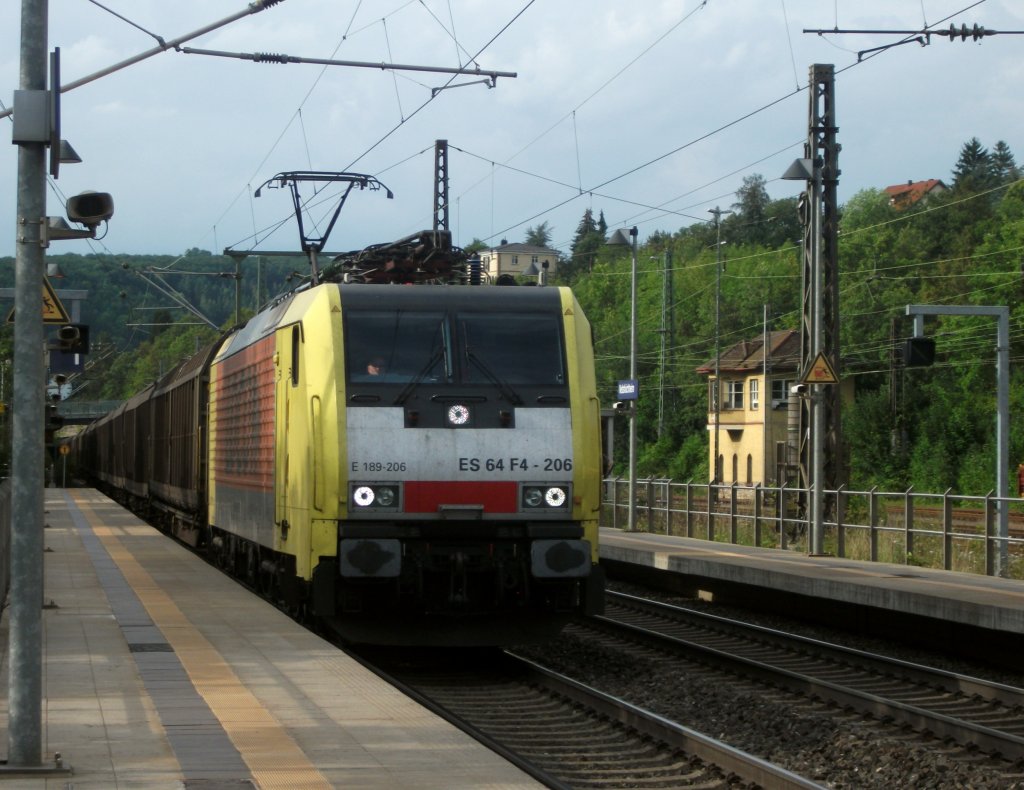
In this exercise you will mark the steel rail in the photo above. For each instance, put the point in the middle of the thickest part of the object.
(962, 730)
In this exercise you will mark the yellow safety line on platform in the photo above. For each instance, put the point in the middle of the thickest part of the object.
(275, 759)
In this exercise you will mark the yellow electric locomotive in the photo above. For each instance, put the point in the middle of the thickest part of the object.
(417, 463)
(412, 464)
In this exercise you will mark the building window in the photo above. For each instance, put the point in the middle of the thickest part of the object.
(712, 394)
(780, 391)
(515, 260)
(734, 398)
(750, 470)
(755, 393)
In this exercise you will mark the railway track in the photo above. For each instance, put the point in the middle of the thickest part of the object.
(567, 735)
(966, 710)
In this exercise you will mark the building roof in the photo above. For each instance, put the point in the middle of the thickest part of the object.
(530, 249)
(747, 356)
(903, 195)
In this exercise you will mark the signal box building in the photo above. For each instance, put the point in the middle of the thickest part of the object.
(753, 392)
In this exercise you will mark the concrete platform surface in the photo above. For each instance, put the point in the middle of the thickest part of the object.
(968, 599)
(161, 672)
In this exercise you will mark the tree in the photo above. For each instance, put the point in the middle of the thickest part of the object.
(475, 246)
(539, 236)
(751, 209)
(973, 171)
(585, 244)
(1004, 167)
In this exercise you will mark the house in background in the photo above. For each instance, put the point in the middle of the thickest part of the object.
(903, 196)
(518, 260)
(753, 396)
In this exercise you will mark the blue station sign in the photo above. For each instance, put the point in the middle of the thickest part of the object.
(628, 389)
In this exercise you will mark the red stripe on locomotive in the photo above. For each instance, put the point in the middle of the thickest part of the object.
(427, 496)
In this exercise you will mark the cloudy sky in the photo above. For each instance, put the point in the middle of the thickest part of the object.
(652, 111)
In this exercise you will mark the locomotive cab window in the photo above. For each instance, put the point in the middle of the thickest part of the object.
(396, 347)
(519, 349)
(296, 353)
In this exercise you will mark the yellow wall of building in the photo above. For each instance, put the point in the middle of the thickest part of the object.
(747, 437)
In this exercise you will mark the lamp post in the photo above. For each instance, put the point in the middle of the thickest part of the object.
(717, 402)
(619, 238)
(809, 170)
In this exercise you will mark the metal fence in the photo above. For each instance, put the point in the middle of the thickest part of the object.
(946, 530)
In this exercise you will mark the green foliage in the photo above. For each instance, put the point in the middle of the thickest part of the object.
(539, 236)
(930, 428)
(136, 331)
(475, 246)
(585, 248)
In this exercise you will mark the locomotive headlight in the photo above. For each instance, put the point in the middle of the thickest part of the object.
(363, 496)
(376, 496)
(385, 496)
(532, 497)
(555, 497)
(458, 414)
(538, 496)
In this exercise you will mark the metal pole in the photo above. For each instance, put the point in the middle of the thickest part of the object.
(1003, 438)
(718, 347)
(238, 292)
(25, 649)
(252, 8)
(1002, 315)
(664, 334)
(766, 400)
(818, 393)
(631, 525)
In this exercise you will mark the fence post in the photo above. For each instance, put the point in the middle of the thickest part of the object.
(615, 503)
(947, 531)
(668, 506)
(841, 497)
(990, 550)
(758, 494)
(873, 523)
(908, 525)
(780, 507)
(711, 518)
(733, 532)
(650, 501)
(689, 508)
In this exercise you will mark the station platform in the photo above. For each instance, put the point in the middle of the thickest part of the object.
(936, 606)
(161, 672)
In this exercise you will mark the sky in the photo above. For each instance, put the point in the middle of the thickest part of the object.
(652, 112)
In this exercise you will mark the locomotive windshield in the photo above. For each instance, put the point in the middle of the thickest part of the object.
(397, 346)
(412, 347)
(519, 349)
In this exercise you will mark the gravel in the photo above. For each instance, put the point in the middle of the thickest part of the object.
(817, 740)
